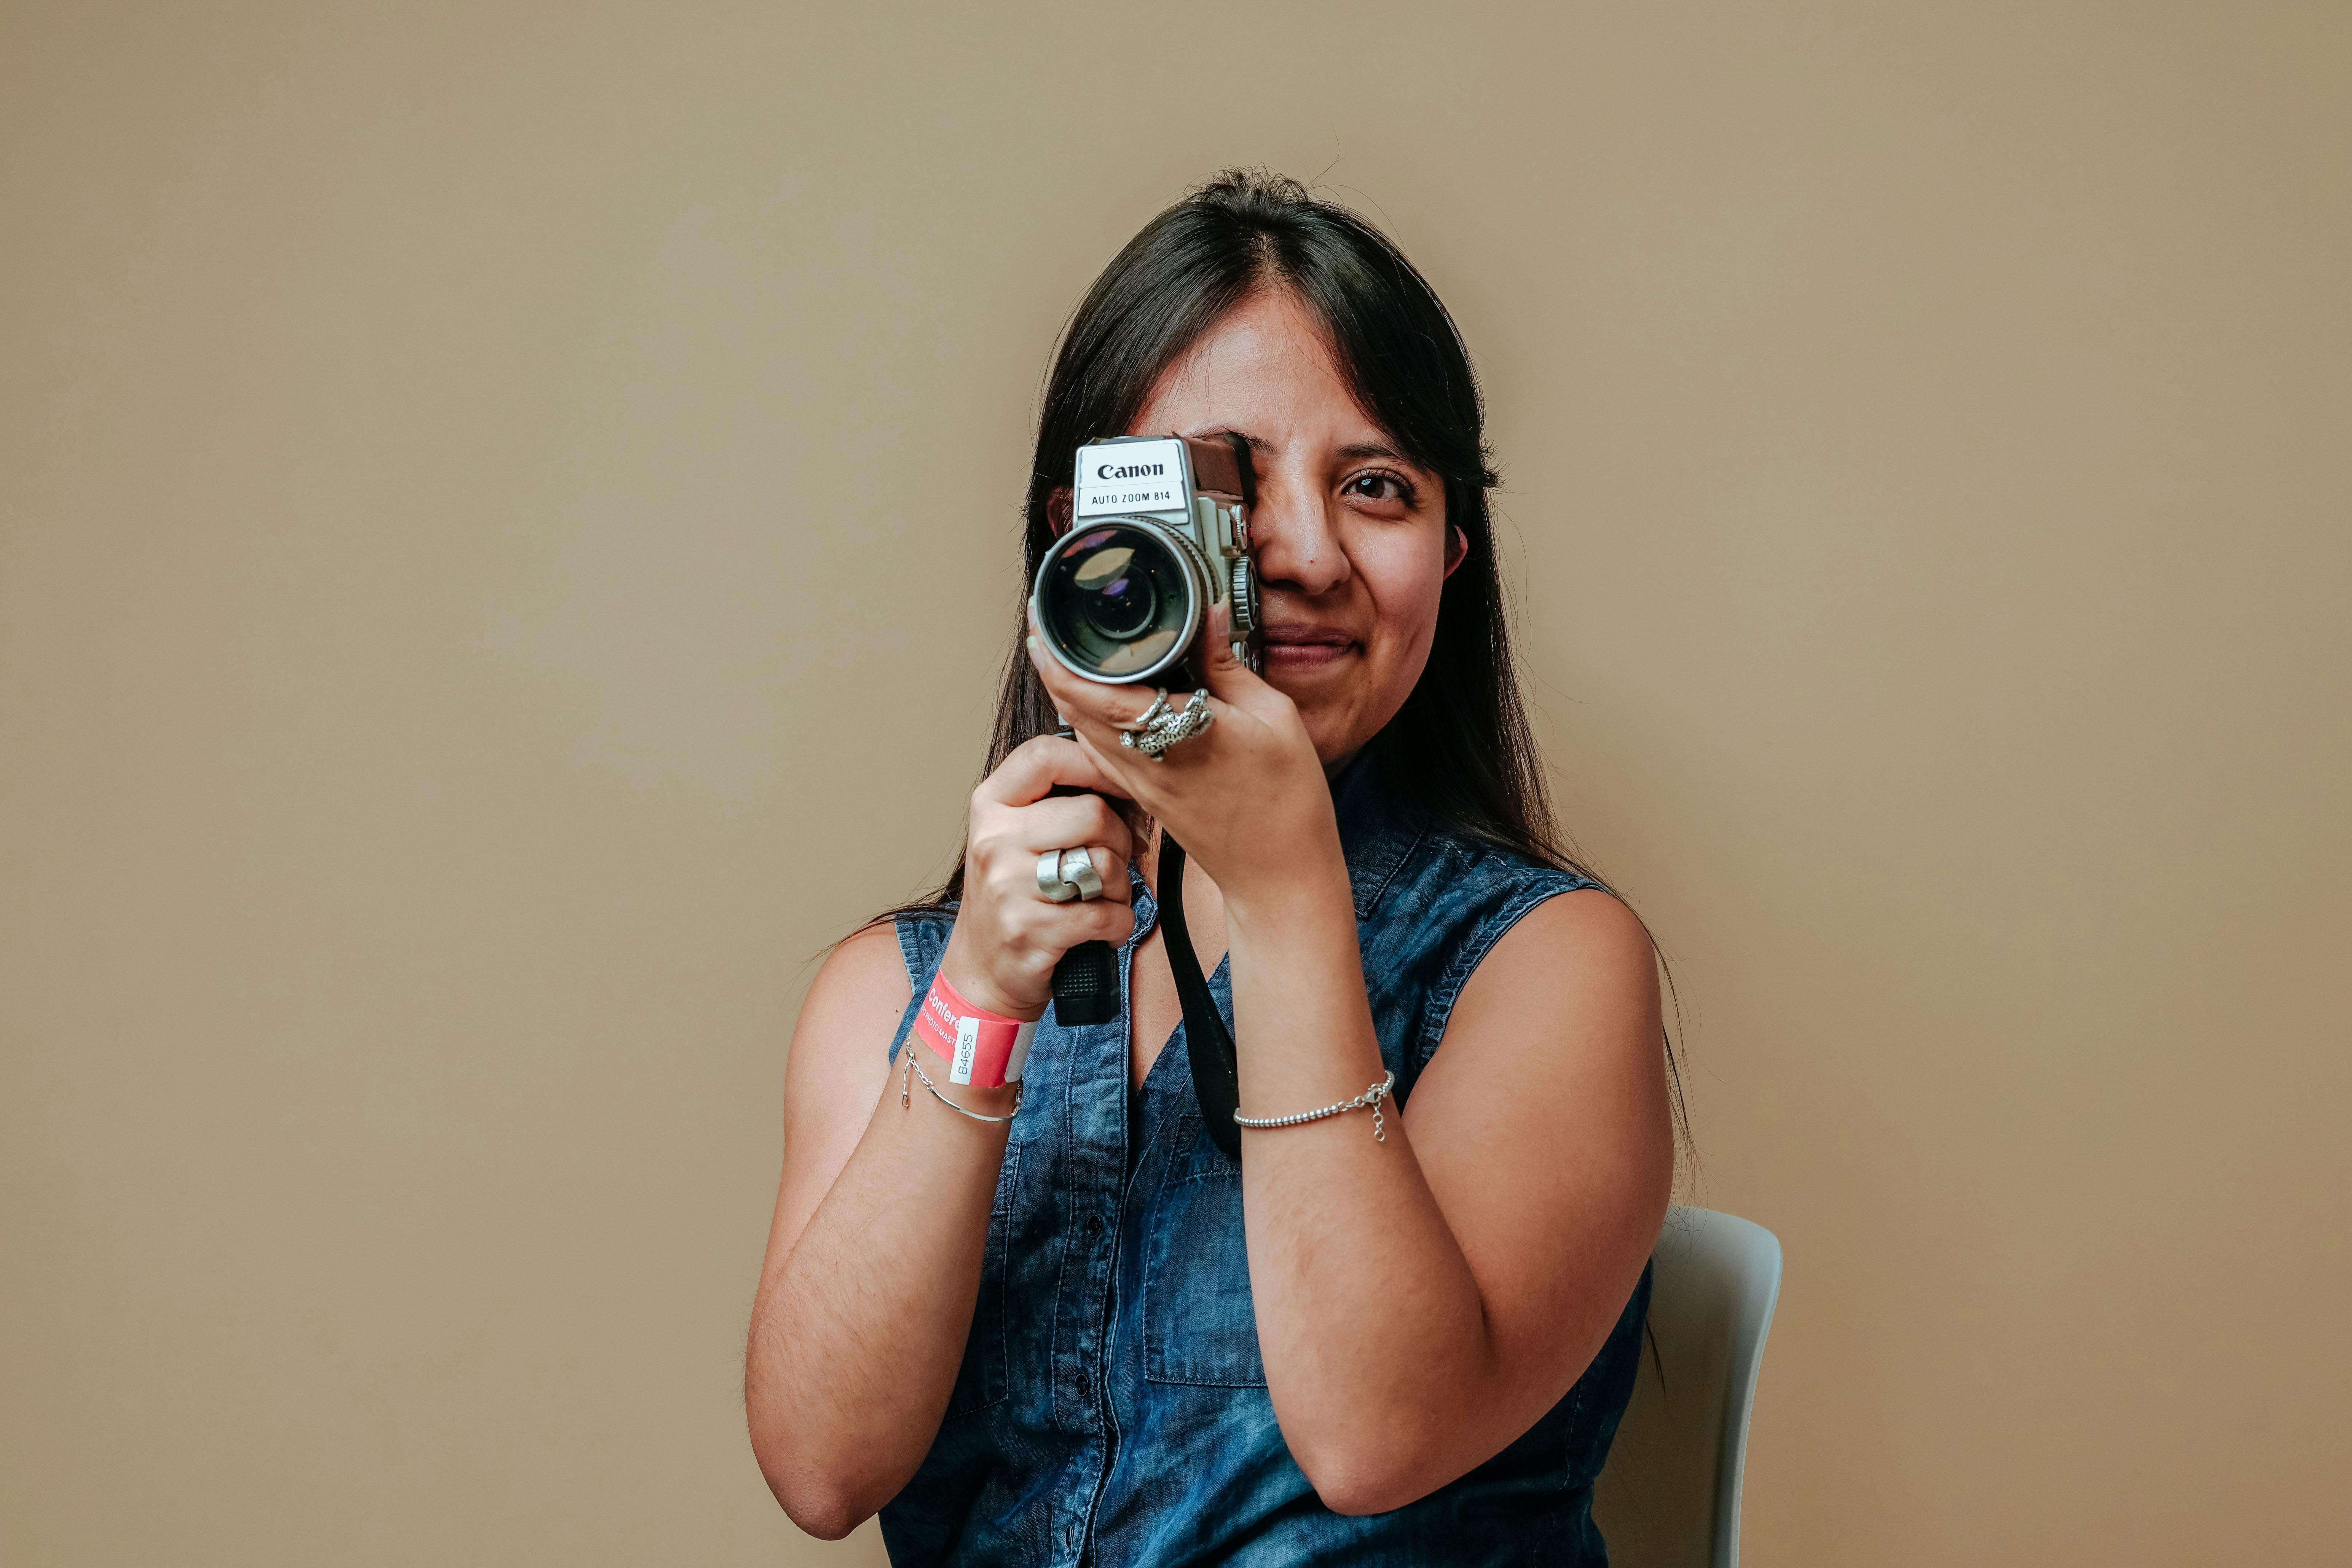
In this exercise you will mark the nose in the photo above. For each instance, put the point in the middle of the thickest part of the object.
(1295, 541)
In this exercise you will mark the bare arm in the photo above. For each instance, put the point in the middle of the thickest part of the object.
(874, 1257)
(1421, 1303)
(873, 1260)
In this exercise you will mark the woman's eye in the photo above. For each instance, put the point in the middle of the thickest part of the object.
(1379, 487)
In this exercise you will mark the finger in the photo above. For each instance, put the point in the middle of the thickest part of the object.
(1112, 869)
(1054, 928)
(1108, 737)
(1104, 707)
(1101, 921)
(1066, 822)
(1227, 678)
(1036, 766)
(1019, 878)
(1099, 704)
(1104, 752)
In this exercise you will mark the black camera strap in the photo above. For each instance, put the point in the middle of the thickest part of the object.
(1216, 1077)
(1240, 444)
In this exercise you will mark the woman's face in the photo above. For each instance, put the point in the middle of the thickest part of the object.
(1351, 539)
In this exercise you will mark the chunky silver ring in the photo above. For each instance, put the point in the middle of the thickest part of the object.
(1169, 730)
(1049, 877)
(1078, 871)
(1150, 716)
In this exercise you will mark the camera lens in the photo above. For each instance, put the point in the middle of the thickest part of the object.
(1115, 601)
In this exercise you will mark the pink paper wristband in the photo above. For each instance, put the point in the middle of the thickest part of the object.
(981, 1048)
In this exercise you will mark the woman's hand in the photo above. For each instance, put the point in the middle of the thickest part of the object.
(1007, 935)
(1247, 799)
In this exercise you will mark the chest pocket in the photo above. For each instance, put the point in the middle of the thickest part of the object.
(980, 1381)
(1199, 1323)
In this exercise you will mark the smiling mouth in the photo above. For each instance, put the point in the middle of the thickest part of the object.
(1306, 649)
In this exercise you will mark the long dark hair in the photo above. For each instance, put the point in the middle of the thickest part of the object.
(1460, 748)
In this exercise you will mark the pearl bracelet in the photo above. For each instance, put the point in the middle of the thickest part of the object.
(1371, 1097)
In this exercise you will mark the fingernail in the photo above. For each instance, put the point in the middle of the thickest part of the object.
(1033, 642)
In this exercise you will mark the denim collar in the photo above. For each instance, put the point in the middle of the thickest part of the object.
(1378, 831)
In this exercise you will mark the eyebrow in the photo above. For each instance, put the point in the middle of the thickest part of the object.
(1345, 454)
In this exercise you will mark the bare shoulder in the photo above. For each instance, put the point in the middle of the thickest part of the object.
(1566, 1001)
(1583, 954)
(847, 1024)
(1557, 1032)
(861, 989)
(1587, 920)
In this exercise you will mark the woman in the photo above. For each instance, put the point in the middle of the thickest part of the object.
(1080, 1331)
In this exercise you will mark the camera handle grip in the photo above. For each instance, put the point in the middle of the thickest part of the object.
(1085, 981)
(1085, 986)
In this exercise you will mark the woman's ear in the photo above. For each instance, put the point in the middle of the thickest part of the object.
(1457, 547)
(1058, 509)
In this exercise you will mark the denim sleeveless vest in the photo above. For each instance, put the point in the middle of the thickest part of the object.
(1111, 1408)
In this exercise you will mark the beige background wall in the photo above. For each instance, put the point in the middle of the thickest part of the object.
(505, 542)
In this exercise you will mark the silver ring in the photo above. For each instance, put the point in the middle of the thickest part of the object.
(1166, 729)
(1049, 877)
(1066, 874)
(1078, 871)
(1150, 716)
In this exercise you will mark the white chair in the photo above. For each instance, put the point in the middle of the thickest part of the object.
(1669, 1496)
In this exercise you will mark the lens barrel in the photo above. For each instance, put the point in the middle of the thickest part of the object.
(1120, 599)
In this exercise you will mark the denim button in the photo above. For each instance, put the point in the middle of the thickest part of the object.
(1095, 1228)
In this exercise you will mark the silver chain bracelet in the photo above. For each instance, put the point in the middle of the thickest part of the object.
(1371, 1097)
(906, 1090)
